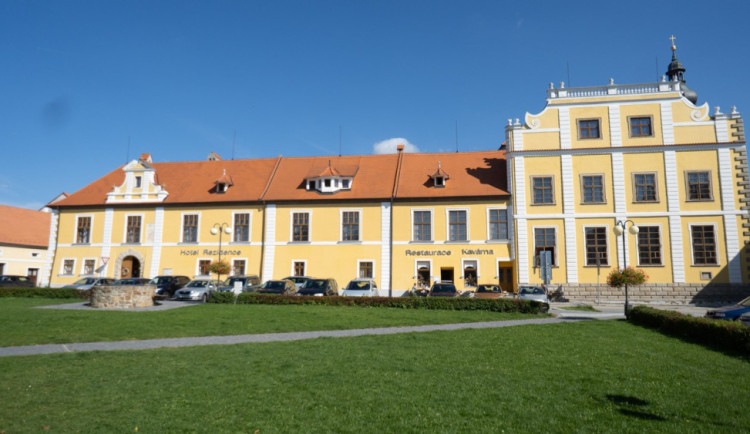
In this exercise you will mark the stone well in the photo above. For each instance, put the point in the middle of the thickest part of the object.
(123, 296)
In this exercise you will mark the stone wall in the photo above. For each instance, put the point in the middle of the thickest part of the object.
(658, 293)
(123, 296)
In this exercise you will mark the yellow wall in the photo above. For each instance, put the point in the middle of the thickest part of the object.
(543, 166)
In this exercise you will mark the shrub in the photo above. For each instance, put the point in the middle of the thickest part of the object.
(631, 276)
(727, 335)
(436, 303)
(44, 293)
(220, 268)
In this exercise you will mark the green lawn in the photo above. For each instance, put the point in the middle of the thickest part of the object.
(589, 376)
(23, 325)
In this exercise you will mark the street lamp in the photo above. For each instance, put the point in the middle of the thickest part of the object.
(220, 229)
(619, 229)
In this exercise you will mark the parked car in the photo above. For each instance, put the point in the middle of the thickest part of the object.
(11, 281)
(89, 282)
(279, 287)
(488, 291)
(198, 290)
(167, 285)
(443, 289)
(299, 281)
(361, 288)
(535, 293)
(319, 287)
(731, 312)
(745, 318)
(132, 281)
(249, 283)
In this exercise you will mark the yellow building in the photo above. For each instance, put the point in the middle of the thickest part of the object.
(644, 155)
(24, 237)
(398, 219)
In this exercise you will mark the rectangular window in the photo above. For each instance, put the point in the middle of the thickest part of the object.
(593, 188)
(242, 227)
(134, 229)
(190, 228)
(704, 245)
(238, 267)
(644, 185)
(541, 190)
(301, 226)
(649, 245)
(457, 225)
(68, 265)
(137, 182)
(544, 240)
(422, 225)
(596, 246)
(365, 270)
(640, 127)
(350, 226)
(588, 129)
(88, 266)
(299, 268)
(699, 185)
(203, 266)
(498, 224)
(83, 233)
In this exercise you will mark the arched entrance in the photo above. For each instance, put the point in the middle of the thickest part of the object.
(131, 267)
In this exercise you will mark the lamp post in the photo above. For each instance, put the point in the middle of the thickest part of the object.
(220, 229)
(619, 229)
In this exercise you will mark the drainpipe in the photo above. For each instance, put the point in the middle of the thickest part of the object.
(400, 149)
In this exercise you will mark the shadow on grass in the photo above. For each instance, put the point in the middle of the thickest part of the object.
(713, 346)
(631, 401)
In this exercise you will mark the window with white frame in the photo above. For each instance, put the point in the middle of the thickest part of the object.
(88, 266)
(238, 267)
(190, 228)
(649, 245)
(83, 230)
(365, 269)
(457, 225)
(422, 221)
(133, 229)
(596, 245)
(203, 267)
(68, 266)
(241, 227)
(545, 240)
(498, 224)
(301, 226)
(350, 225)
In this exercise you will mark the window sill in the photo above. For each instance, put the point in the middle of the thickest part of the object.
(592, 203)
(350, 242)
(422, 242)
(299, 242)
(699, 200)
(131, 244)
(187, 243)
(645, 202)
(239, 243)
(651, 265)
(498, 241)
(81, 244)
(706, 265)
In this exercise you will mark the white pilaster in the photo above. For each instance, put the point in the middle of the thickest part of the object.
(615, 128)
(678, 257)
(46, 277)
(157, 242)
(385, 246)
(618, 183)
(523, 251)
(109, 215)
(519, 194)
(566, 169)
(721, 127)
(564, 118)
(667, 124)
(269, 253)
(571, 258)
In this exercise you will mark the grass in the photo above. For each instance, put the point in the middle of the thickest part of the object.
(591, 376)
(580, 308)
(23, 325)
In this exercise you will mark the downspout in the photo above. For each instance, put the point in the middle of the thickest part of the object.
(396, 180)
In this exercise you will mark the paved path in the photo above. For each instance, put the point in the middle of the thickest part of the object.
(266, 337)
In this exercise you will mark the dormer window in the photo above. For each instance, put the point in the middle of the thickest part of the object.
(329, 180)
(138, 182)
(223, 183)
(439, 177)
(345, 183)
(327, 183)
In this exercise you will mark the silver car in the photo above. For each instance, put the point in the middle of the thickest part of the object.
(361, 288)
(197, 290)
(745, 319)
(89, 282)
(532, 293)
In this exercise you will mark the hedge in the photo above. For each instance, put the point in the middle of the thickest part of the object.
(43, 292)
(436, 303)
(731, 336)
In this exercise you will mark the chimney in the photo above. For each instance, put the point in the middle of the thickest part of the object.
(400, 148)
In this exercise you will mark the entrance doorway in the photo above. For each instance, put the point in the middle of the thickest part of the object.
(505, 278)
(423, 275)
(470, 274)
(33, 274)
(446, 274)
(131, 267)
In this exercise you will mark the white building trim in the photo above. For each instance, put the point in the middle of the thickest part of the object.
(269, 254)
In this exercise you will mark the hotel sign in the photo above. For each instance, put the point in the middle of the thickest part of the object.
(207, 252)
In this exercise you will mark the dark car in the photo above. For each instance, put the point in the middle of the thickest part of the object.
(167, 285)
(298, 280)
(730, 312)
(248, 283)
(279, 287)
(132, 281)
(488, 291)
(11, 281)
(443, 289)
(319, 287)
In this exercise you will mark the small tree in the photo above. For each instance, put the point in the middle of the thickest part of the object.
(627, 276)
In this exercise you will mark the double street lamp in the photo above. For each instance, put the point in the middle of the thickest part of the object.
(619, 229)
(220, 228)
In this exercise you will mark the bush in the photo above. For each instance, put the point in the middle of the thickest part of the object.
(436, 303)
(44, 293)
(631, 276)
(730, 336)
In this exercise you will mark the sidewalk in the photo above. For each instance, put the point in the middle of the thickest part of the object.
(613, 309)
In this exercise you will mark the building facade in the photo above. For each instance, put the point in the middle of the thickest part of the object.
(644, 155)
(24, 237)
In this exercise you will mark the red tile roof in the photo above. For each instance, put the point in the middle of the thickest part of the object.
(473, 174)
(24, 227)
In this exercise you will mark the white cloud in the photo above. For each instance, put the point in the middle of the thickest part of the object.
(389, 146)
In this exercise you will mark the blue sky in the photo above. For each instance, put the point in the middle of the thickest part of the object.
(178, 79)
